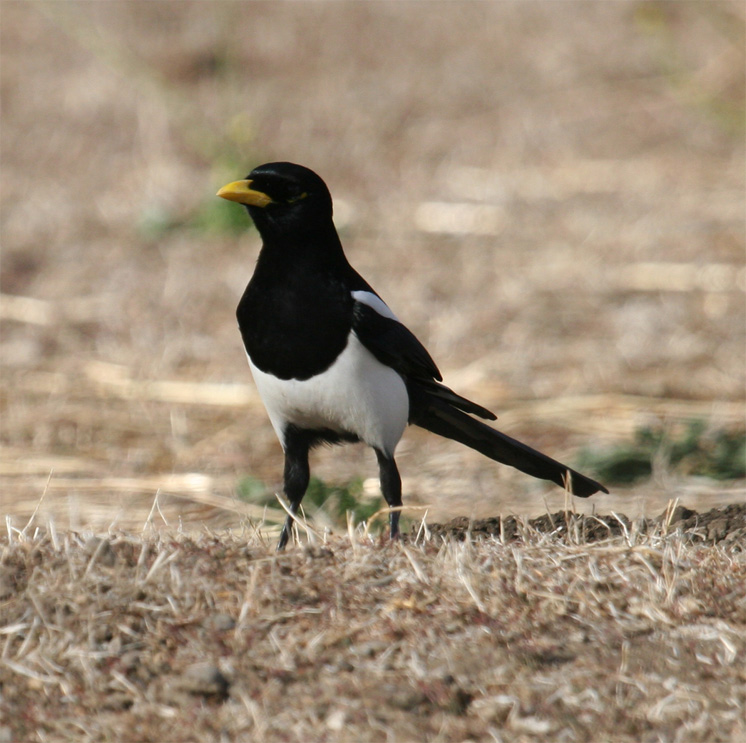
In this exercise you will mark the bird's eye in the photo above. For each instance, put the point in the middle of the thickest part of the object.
(293, 199)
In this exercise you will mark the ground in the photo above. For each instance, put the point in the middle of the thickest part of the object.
(551, 195)
(532, 633)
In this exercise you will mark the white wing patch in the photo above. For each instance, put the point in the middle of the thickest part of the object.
(374, 302)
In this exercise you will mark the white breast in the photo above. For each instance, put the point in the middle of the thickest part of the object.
(357, 394)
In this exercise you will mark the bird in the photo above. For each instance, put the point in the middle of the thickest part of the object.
(332, 362)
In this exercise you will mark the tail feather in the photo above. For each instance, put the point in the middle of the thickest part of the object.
(436, 389)
(436, 415)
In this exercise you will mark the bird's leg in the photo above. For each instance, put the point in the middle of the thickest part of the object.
(391, 488)
(296, 477)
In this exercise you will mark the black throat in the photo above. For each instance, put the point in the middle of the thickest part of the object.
(296, 313)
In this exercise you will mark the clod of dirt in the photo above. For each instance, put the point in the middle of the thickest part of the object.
(726, 524)
(679, 514)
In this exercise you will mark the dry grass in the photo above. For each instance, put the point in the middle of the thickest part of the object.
(166, 637)
(551, 196)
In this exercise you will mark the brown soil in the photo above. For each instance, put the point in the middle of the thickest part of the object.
(725, 525)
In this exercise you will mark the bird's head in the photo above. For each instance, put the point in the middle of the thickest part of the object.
(282, 198)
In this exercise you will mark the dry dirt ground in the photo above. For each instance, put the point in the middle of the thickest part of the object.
(551, 195)
(533, 634)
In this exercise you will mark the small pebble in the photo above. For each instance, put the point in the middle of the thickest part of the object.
(203, 678)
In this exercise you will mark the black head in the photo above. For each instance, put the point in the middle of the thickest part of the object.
(283, 198)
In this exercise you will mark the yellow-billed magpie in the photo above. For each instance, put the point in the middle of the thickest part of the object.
(332, 362)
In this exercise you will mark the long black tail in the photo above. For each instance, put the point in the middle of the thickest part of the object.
(435, 414)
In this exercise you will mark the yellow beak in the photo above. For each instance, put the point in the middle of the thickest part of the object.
(242, 192)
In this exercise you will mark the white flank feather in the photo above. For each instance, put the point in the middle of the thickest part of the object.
(357, 394)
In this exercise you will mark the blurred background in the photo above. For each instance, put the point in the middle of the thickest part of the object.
(550, 195)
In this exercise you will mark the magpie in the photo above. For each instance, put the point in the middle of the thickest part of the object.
(332, 363)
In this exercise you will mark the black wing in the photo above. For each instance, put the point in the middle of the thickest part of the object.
(396, 346)
(392, 343)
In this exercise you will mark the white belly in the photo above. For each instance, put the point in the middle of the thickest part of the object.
(357, 395)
